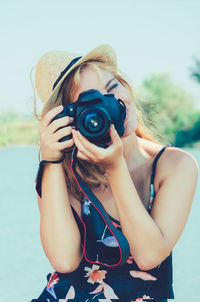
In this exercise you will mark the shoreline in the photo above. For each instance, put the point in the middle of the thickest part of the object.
(18, 145)
(196, 146)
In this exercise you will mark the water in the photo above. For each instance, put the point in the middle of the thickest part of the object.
(24, 265)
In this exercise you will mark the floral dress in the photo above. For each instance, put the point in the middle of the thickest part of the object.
(127, 283)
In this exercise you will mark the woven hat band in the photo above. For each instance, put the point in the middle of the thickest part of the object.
(65, 70)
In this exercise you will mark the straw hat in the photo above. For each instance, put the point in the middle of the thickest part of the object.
(54, 66)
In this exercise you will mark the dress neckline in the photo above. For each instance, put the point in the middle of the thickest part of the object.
(112, 218)
(150, 201)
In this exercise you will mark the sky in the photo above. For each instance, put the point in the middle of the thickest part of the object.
(149, 37)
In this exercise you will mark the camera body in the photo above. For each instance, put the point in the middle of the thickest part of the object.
(93, 114)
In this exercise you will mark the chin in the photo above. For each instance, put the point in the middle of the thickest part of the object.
(129, 129)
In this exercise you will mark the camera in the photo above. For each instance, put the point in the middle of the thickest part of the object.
(93, 113)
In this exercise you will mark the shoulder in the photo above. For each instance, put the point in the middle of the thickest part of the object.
(175, 160)
(176, 173)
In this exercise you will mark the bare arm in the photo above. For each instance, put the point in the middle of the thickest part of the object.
(60, 235)
(152, 237)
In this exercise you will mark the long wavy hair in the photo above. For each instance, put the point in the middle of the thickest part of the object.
(92, 174)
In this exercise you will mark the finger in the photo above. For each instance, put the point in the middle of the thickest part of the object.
(80, 146)
(58, 123)
(80, 155)
(92, 148)
(62, 132)
(66, 144)
(50, 115)
(115, 139)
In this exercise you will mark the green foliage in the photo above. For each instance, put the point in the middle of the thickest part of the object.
(18, 129)
(195, 70)
(191, 135)
(170, 109)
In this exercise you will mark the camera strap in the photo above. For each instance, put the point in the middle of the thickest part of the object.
(103, 242)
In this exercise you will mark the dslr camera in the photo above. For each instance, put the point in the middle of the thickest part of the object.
(93, 113)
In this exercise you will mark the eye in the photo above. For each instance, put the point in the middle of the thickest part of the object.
(112, 87)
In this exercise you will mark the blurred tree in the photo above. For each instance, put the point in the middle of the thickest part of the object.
(167, 107)
(195, 70)
(190, 135)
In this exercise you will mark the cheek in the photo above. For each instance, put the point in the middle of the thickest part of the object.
(132, 110)
(131, 123)
(123, 94)
(132, 119)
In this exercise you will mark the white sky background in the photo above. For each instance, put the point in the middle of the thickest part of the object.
(149, 36)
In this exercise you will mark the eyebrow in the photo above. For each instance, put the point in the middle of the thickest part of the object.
(108, 83)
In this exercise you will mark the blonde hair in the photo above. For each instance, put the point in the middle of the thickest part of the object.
(92, 174)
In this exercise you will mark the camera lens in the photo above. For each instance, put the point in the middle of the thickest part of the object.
(93, 122)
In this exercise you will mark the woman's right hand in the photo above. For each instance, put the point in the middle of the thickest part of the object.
(51, 148)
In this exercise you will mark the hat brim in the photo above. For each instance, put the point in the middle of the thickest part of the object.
(104, 53)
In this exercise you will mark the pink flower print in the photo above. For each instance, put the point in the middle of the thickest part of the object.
(107, 291)
(94, 274)
(52, 281)
(142, 275)
(98, 289)
(70, 295)
(129, 260)
(141, 299)
(117, 225)
(147, 297)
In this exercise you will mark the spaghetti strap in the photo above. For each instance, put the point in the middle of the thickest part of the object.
(152, 191)
(156, 159)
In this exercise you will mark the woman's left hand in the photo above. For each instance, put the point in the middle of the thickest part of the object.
(108, 158)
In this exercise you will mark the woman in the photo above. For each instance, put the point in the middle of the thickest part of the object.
(148, 199)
